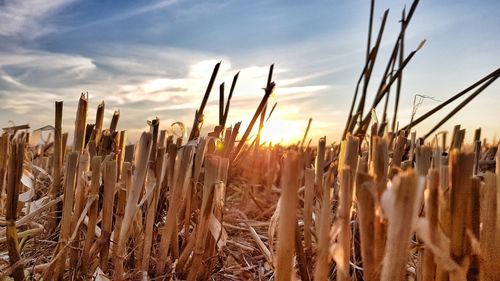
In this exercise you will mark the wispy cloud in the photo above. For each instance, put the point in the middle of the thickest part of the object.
(156, 6)
(37, 68)
(27, 19)
(9, 79)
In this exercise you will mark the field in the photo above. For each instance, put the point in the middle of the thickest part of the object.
(381, 203)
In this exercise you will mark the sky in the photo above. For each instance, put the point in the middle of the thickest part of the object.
(154, 59)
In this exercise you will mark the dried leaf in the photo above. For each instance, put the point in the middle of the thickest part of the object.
(273, 224)
(440, 250)
(27, 181)
(218, 232)
(99, 275)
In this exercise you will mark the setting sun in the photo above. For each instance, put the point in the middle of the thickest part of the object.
(282, 131)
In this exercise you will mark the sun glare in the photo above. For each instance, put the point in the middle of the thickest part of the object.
(282, 131)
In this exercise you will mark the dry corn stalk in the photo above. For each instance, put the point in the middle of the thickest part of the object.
(99, 121)
(109, 179)
(114, 121)
(197, 270)
(80, 190)
(343, 218)
(95, 183)
(15, 171)
(301, 255)
(57, 158)
(124, 189)
(400, 205)
(379, 172)
(473, 228)
(141, 162)
(69, 193)
(80, 123)
(151, 211)
(444, 213)
(461, 164)
(169, 231)
(308, 209)
(366, 215)
(398, 151)
(497, 229)
(490, 266)
(423, 159)
(288, 217)
(121, 154)
(431, 213)
(322, 269)
(319, 167)
(4, 148)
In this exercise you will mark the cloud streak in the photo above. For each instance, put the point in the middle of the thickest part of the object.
(27, 19)
(156, 6)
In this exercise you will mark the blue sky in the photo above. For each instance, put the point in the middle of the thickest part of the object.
(154, 58)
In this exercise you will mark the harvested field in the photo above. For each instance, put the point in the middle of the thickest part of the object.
(382, 203)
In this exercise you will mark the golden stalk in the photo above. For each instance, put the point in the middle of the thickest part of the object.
(109, 179)
(319, 168)
(114, 121)
(80, 124)
(490, 265)
(432, 214)
(461, 164)
(95, 183)
(4, 148)
(305, 133)
(398, 151)
(497, 231)
(343, 217)
(99, 121)
(403, 212)
(151, 211)
(57, 157)
(15, 171)
(423, 159)
(169, 233)
(444, 214)
(379, 172)
(123, 190)
(308, 209)
(64, 146)
(301, 255)
(322, 269)
(80, 190)
(69, 197)
(213, 178)
(141, 163)
(288, 217)
(473, 225)
(365, 188)
(197, 269)
(120, 154)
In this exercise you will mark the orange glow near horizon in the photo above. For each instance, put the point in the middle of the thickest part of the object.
(282, 131)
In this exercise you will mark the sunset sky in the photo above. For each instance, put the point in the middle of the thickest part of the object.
(154, 58)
